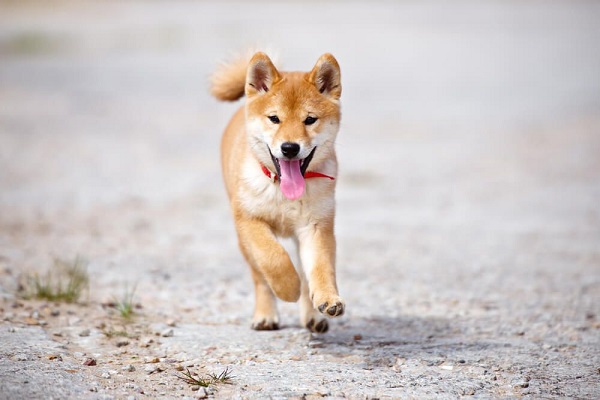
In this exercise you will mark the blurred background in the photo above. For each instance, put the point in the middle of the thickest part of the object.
(468, 200)
(469, 150)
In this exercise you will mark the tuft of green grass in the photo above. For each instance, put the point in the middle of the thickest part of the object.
(224, 378)
(33, 42)
(66, 282)
(125, 306)
(115, 333)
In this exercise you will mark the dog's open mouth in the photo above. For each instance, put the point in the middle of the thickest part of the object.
(303, 163)
(291, 174)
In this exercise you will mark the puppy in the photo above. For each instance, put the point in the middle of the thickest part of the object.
(279, 166)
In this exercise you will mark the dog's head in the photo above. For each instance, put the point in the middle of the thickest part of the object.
(292, 118)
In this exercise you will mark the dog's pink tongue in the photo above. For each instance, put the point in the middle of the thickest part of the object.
(292, 182)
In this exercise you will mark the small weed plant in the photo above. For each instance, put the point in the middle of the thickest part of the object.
(125, 306)
(65, 282)
(111, 333)
(224, 378)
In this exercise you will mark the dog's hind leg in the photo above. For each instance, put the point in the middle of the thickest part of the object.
(309, 317)
(265, 316)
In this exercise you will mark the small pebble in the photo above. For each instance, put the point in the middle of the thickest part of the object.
(128, 368)
(105, 375)
(55, 313)
(171, 323)
(149, 369)
(195, 388)
(167, 333)
(89, 362)
(122, 342)
(84, 333)
(151, 360)
(20, 357)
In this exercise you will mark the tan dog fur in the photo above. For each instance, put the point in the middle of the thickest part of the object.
(261, 212)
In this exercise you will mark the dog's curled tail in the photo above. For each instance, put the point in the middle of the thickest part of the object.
(229, 80)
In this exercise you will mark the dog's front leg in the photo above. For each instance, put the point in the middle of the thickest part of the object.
(266, 256)
(317, 252)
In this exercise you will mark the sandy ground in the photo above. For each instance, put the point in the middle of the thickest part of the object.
(468, 200)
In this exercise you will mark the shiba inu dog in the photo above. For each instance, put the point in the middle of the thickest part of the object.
(279, 166)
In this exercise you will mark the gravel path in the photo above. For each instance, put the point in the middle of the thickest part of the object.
(468, 201)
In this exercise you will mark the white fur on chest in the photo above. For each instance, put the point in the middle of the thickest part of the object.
(262, 198)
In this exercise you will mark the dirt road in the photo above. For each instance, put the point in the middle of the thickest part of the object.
(468, 217)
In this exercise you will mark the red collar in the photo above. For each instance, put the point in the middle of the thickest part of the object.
(309, 174)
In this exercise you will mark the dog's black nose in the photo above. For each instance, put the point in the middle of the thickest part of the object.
(290, 150)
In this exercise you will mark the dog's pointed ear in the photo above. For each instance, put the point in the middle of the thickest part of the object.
(260, 75)
(326, 76)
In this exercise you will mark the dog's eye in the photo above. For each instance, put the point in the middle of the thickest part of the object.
(274, 119)
(310, 120)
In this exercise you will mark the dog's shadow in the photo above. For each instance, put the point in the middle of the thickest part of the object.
(381, 340)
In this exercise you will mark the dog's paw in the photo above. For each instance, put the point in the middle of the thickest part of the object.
(332, 310)
(317, 326)
(287, 288)
(331, 307)
(265, 324)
